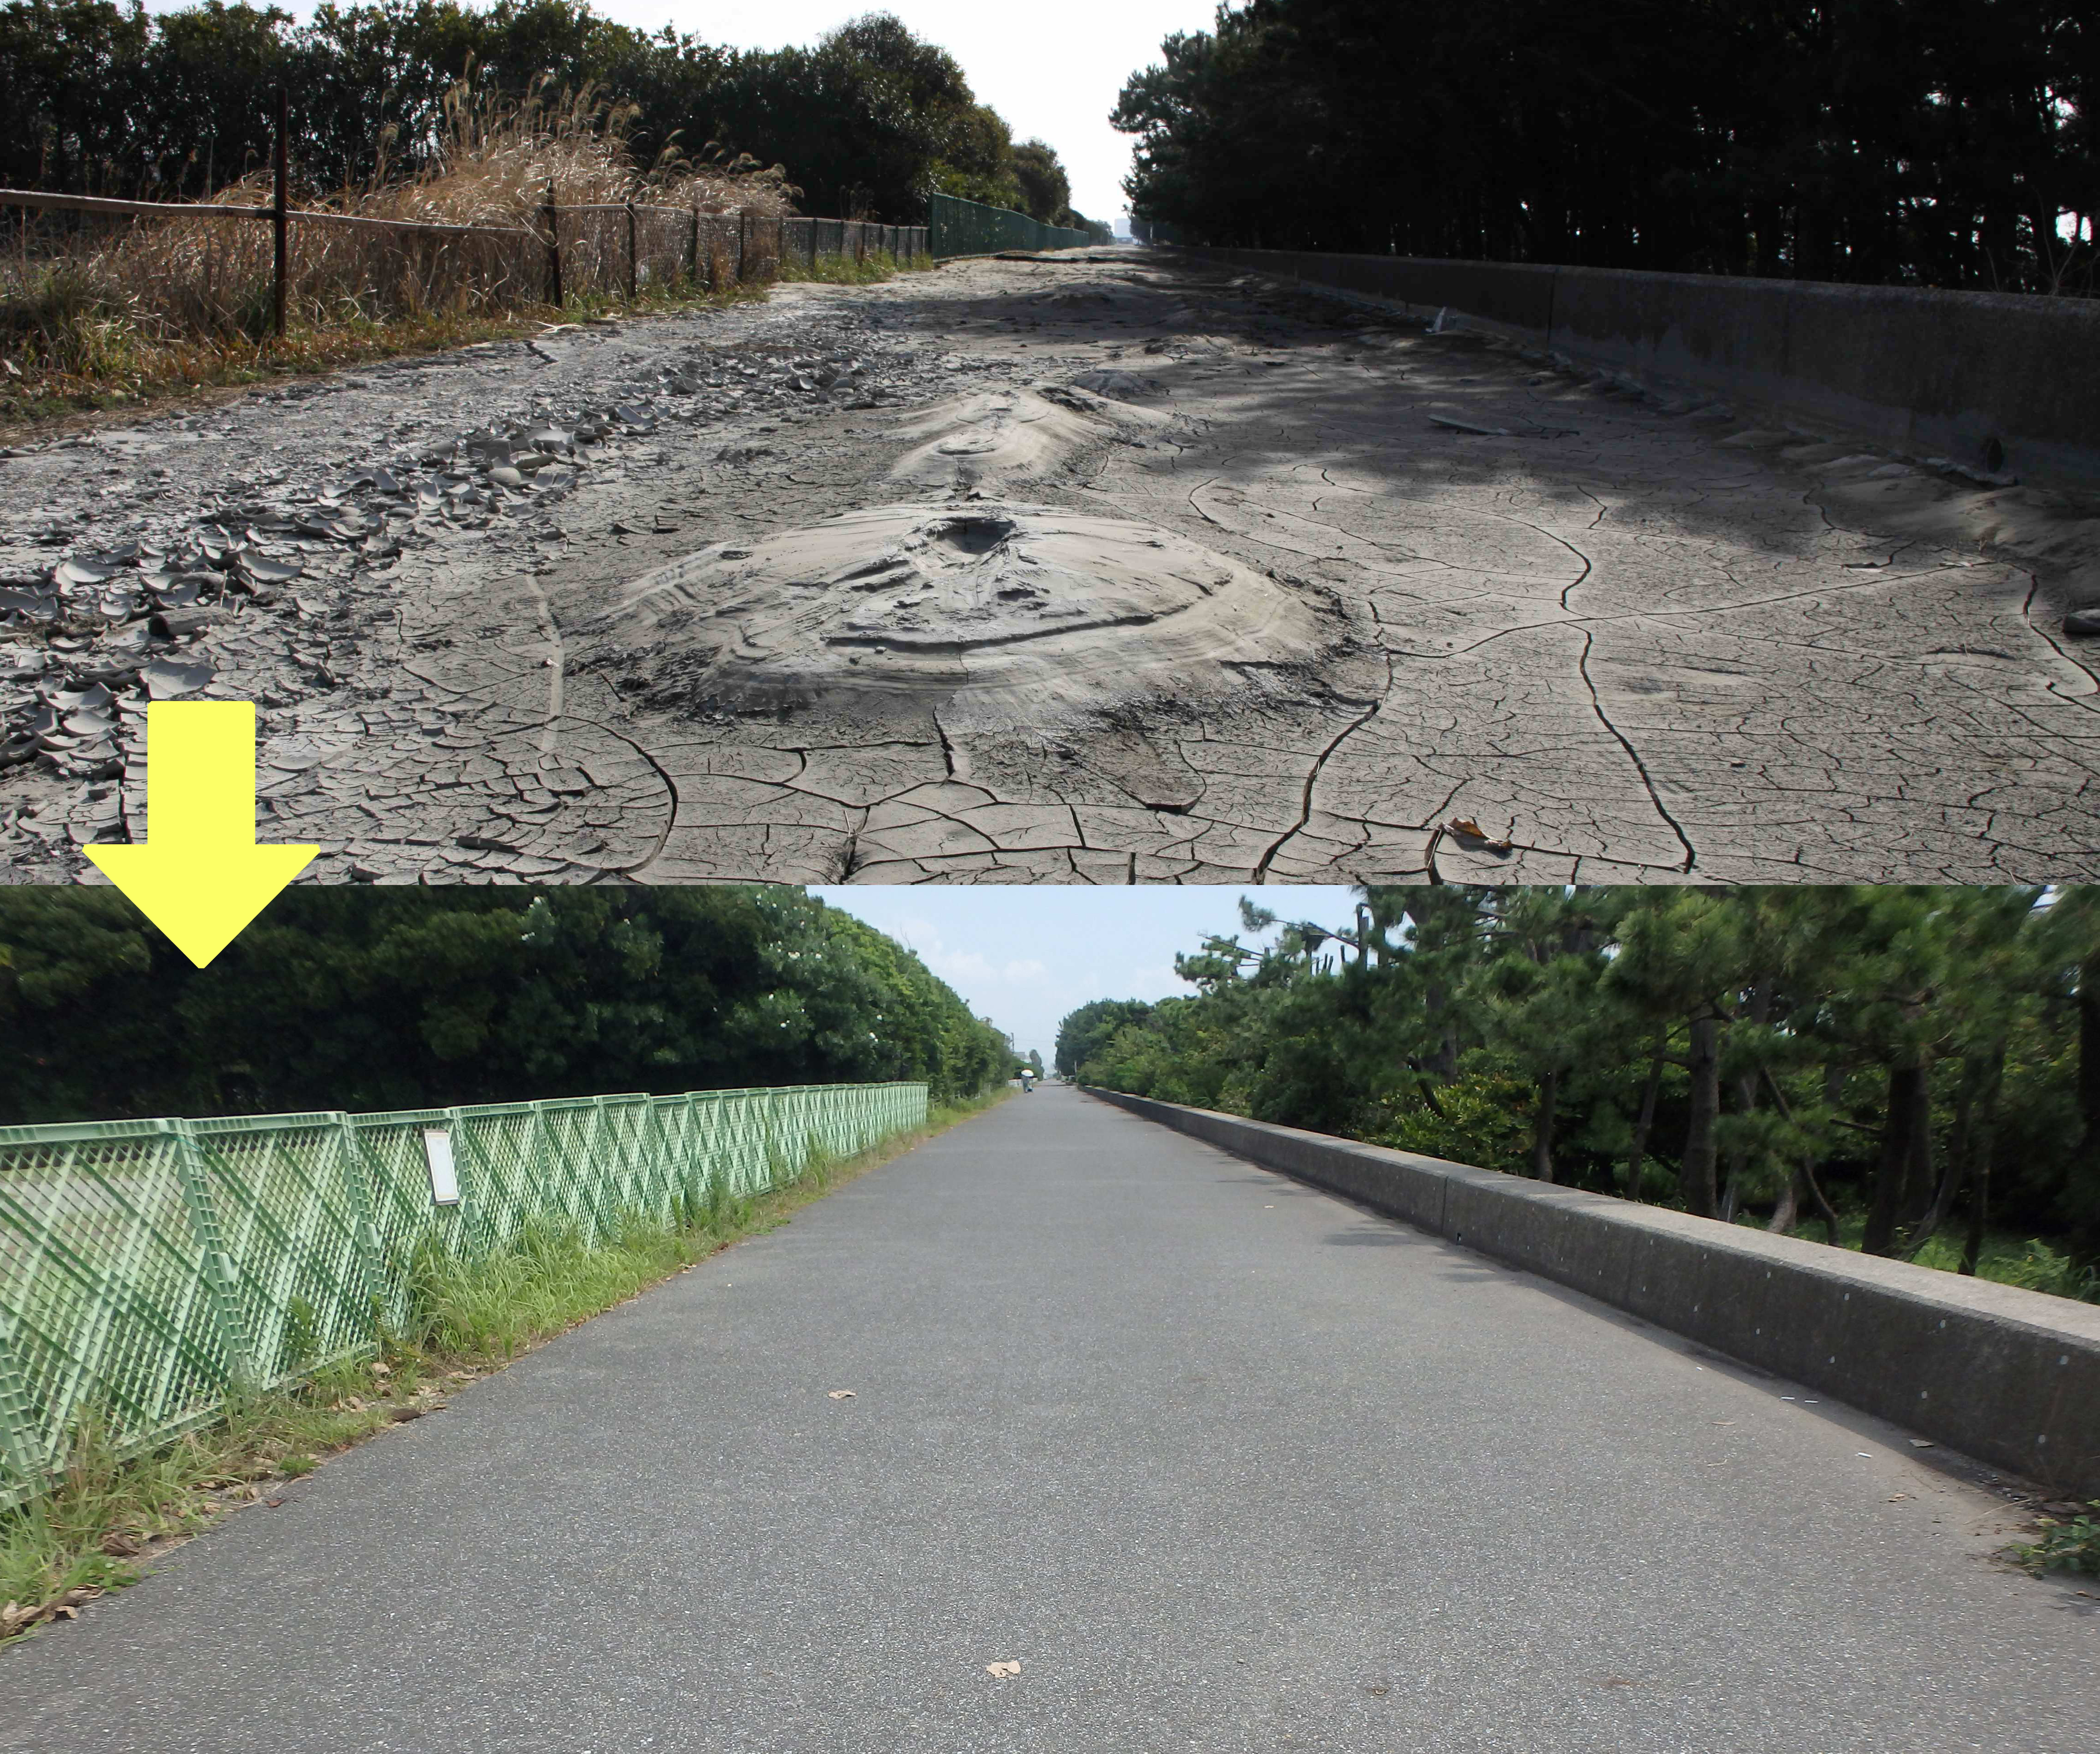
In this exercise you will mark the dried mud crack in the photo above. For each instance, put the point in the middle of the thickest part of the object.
(1106, 569)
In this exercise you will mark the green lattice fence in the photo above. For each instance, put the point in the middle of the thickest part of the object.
(147, 1268)
(957, 227)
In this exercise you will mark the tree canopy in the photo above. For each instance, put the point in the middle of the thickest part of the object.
(1871, 140)
(371, 998)
(110, 99)
(1881, 1061)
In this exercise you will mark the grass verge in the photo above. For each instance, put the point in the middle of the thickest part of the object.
(107, 1517)
(127, 371)
(131, 372)
(846, 271)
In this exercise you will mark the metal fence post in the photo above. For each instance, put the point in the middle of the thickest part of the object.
(554, 248)
(742, 220)
(473, 1201)
(21, 1451)
(593, 1149)
(371, 1258)
(633, 267)
(686, 1176)
(279, 208)
(222, 1284)
(659, 1159)
(693, 251)
(535, 1144)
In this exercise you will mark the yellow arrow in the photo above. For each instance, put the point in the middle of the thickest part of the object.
(200, 878)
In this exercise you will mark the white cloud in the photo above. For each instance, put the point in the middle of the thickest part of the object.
(957, 966)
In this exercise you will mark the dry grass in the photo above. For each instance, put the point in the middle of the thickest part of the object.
(115, 314)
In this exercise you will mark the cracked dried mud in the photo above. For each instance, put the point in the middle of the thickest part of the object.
(1103, 568)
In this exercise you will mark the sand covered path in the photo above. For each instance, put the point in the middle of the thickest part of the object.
(1105, 568)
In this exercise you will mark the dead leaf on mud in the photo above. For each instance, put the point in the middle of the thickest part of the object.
(1467, 829)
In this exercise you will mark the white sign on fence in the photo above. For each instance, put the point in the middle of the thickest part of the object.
(444, 1179)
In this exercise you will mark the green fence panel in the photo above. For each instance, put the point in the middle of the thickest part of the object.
(148, 1268)
(958, 227)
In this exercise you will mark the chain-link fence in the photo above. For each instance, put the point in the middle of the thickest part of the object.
(617, 248)
(170, 270)
(149, 1268)
(970, 228)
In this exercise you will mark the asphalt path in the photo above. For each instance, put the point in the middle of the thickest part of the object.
(1222, 1462)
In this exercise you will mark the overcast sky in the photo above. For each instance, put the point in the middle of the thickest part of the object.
(1052, 71)
(1024, 956)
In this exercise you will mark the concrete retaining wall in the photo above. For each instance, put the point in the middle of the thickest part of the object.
(2010, 1376)
(1992, 381)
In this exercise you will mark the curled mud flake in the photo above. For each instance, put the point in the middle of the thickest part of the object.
(168, 679)
(1117, 386)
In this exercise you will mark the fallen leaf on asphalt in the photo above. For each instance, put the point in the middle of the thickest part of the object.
(1002, 1669)
(403, 1415)
(842, 1395)
(1922, 1442)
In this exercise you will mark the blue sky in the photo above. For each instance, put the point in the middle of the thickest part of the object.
(1050, 72)
(1024, 956)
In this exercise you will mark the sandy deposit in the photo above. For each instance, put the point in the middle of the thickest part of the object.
(1150, 573)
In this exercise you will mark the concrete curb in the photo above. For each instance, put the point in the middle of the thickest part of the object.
(2010, 1376)
(1992, 381)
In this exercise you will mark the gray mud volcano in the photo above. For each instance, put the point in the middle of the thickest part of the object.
(1107, 568)
(997, 615)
